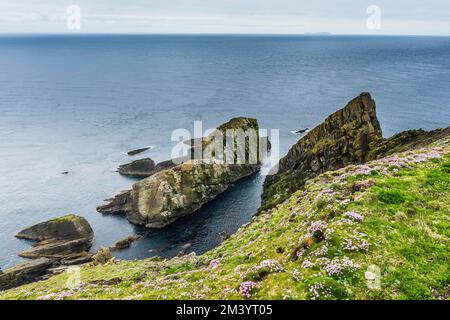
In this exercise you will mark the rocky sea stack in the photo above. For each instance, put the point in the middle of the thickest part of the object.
(174, 192)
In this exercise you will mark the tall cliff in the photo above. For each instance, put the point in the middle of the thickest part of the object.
(344, 138)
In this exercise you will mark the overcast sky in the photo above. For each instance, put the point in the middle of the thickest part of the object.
(419, 17)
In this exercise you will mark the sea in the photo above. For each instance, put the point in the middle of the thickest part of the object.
(78, 103)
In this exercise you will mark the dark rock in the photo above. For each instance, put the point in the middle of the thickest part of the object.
(63, 228)
(116, 205)
(139, 168)
(344, 138)
(58, 238)
(406, 140)
(76, 259)
(223, 236)
(124, 243)
(137, 151)
(180, 190)
(24, 273)
(65, 172)
(56, 249)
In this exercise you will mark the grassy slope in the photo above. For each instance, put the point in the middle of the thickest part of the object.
(392, 213)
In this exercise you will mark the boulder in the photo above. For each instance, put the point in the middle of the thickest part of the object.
(162, 198)
(24, 273)
(344, 138)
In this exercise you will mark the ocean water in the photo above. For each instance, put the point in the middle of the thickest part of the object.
(78, 103)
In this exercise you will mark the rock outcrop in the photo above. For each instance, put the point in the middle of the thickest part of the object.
(24, 273)
(344, 138)
(62, 242)
(146, 167)
(169, 194)
(58, 238)
(138, 168)
(406, 140)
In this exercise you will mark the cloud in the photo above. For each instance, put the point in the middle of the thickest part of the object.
(227, 16)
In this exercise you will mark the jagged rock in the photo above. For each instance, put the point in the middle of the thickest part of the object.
(169, 194)
(139, 168)
(116, 205)
(58, 237)
(124, 243)
(103, 256)
(406, 140)
(24, 273)
(345, 137)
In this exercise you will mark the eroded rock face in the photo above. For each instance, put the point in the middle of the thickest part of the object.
(24, 273)
(344, 138)
(180, 190)
(58, 237)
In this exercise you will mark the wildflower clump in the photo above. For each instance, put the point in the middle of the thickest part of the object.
(246, 289)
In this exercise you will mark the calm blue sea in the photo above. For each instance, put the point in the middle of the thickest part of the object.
(78, 103)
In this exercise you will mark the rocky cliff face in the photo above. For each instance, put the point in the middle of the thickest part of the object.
(169, 194)
(345, 137)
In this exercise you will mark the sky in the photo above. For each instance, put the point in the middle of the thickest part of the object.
(397, 17)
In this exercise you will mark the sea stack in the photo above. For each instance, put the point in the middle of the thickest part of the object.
(162, 198)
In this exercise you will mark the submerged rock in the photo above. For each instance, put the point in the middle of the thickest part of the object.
(180, 190)
(124, 243)
(137, 151)
(24, 273)
(344, 138)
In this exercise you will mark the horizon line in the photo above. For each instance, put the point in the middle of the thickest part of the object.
(322, 34)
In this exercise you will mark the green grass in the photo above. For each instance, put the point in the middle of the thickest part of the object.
(308, 247)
